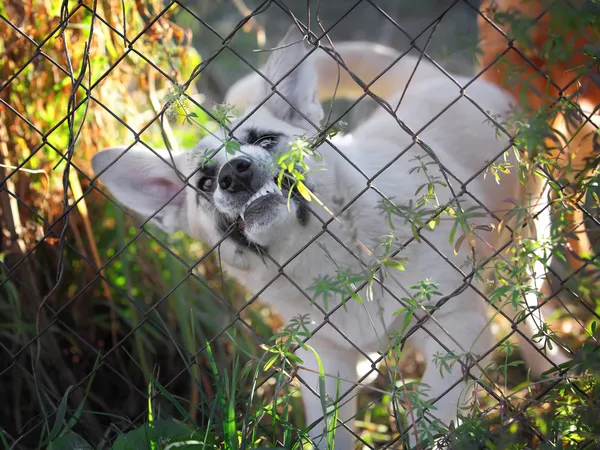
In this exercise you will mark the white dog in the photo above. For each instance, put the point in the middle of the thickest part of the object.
(234, 198)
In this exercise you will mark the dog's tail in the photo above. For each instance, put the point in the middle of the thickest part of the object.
(381, 70)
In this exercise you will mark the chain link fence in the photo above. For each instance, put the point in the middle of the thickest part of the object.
(118, 334)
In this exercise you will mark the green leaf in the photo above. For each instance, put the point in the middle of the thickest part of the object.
(415, 232)
(499, 292)
(303, 190)
(59, 418)
(453, 232)
(232, 146)
(322, 388)
(166, 431)
(394, 263)
(406, 320)
(69, 441)
(230, 426)
(3, 438)
(151, 417)
(294, 357)
(167, 394)
(270, 362)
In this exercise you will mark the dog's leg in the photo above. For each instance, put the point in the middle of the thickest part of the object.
(538, 193)
(451, 339)
(532, 351)
(337, 362)
(572, 156)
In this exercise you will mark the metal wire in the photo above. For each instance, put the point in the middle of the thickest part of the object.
(57, 317)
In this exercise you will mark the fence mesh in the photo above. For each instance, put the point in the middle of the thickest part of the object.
(111, 326)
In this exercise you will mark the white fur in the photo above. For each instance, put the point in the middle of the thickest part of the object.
(462, 141)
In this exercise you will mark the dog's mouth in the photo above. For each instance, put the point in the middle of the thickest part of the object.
(261, 209)
(262, 201)
(268, 192)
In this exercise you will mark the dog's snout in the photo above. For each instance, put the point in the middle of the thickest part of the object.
(236, 175)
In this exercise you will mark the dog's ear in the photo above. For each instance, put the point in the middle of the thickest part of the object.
(141, 181)
(299, 87)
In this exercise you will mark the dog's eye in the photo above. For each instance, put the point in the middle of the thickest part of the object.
(205, 184)
(267, 142)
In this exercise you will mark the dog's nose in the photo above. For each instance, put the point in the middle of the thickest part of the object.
(236, 175)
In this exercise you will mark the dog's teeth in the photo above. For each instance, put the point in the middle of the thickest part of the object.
(269, 188)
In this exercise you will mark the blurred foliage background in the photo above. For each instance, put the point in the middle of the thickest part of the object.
(91, 305)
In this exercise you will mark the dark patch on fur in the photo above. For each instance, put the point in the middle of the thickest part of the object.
(255, 136)
(302, 212)
(206, 170)
(338, 201)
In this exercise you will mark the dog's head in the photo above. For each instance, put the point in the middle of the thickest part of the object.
(209, 195)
